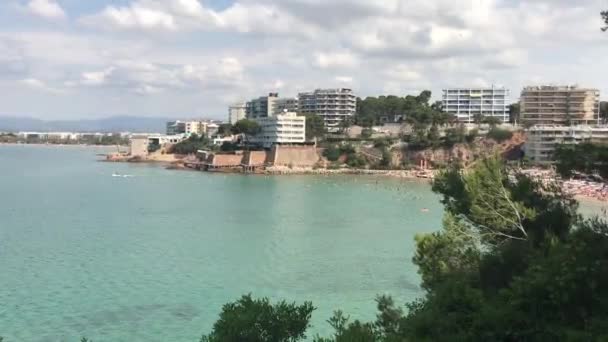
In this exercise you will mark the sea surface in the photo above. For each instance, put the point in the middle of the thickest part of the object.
(153, 257)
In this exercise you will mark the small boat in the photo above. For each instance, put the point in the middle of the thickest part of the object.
(119, 175)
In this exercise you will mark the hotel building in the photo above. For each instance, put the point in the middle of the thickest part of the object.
(333, 105)
(542, 140)
(560, 105)
(467, 103)
(282, 129)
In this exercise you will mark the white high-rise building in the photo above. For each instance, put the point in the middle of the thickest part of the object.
(236, 112)
(333, 105)
(467, 103)
(281, 129)
(271, 105)
(542, 140)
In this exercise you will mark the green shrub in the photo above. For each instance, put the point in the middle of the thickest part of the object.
(499, 135)
(332, 153)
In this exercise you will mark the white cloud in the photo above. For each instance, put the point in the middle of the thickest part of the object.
(134, 17)
(335, 60)
(96, 78)
(39, 85)
(344, 79)
(192, 56)
(404, 73)
(46, 8)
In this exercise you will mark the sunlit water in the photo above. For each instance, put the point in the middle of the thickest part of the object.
(153, 257)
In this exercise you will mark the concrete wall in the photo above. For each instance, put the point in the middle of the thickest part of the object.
(226, 160)
(138, 147)
(256, 158)
(301, 156)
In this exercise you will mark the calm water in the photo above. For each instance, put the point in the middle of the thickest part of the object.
(153, 257)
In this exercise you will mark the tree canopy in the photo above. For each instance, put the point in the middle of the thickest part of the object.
(587, 158)
(514, 112)
(246, 126)
(315, 126)
(415, 109)
(258, 320)
(605, 18)
(191, 145)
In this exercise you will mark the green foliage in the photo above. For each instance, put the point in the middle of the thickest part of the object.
(478, 118)
(499, 135)
(586, 158)
(383, 142)
(514, 112)
(191, 145)
(246, 126)
(455, 136)
(470, 138)
(440, 254)
(416, 109)
(355, 161)
(492, 121)
(332, 153)
(387, 159)
(224, 130)
(366, 133)
(433, 137)
(153, 147)
(315, 127)
(502, 208)
(257, 320)
(229, 147)
(423, 137)
(114, 139)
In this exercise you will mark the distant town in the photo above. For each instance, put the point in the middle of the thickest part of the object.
(333, 129)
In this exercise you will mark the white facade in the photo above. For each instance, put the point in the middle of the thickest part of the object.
(542, 140)
(188, 128)
(236, 113)
(466, 103)
(333, 105)
(283, 129)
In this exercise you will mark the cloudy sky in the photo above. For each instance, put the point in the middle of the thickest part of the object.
(191, 58)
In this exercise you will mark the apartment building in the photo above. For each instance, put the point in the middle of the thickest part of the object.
(262, 107)
(236, 112)
(543, 139)
(187, 127)
(334, 105)
(282, 129)
(560, 105)
(271, 105)
(468, 103)
(289, 104)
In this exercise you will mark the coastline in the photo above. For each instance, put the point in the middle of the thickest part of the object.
(61, 145)
(406, 174)
(181, 162)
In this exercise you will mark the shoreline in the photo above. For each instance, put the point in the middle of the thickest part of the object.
(180, 162)
(61, 145)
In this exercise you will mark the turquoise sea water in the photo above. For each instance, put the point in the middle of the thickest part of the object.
(153, 257)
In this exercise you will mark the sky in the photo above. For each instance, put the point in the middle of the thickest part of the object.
(85, 59)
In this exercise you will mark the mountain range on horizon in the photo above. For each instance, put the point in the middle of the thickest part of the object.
(111, 124)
